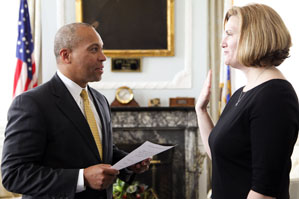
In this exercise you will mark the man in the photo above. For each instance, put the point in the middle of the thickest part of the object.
(51, 149)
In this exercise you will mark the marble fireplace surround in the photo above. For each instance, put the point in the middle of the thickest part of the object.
(169, 126)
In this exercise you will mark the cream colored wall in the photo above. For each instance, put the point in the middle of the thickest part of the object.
(179, 76)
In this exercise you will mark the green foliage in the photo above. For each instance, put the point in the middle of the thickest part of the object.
(122, 190)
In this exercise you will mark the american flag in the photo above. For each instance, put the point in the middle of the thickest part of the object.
(25, 74)
(225, 72)
(225, 87)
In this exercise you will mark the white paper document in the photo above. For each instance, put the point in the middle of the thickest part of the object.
(146, 150)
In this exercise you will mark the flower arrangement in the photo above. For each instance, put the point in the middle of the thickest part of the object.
(122, 190)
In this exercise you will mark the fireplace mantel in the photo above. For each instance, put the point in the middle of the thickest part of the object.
(168, 126)
(153, 117)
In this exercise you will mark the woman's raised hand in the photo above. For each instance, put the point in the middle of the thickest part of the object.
(204, 97)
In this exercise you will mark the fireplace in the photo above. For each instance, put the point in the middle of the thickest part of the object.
(174, 173)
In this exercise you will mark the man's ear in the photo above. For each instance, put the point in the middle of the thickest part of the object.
(65, 55)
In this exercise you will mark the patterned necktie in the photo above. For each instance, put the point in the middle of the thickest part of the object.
(91, 121)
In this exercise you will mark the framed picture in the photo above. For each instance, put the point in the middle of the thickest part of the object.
(131, 28)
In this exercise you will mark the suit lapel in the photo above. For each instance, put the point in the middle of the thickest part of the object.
(69, 107)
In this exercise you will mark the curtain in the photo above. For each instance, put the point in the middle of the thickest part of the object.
(215, 20)
(216, 11)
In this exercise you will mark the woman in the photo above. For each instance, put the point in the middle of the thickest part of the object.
(251, 144)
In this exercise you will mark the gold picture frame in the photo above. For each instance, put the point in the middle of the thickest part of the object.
(127, 51)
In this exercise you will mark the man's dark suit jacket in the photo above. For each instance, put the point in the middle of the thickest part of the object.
(47, 141)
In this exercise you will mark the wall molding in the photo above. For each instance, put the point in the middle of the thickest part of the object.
(182, 79)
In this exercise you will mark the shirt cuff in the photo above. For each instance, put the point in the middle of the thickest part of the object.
(80, 183)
